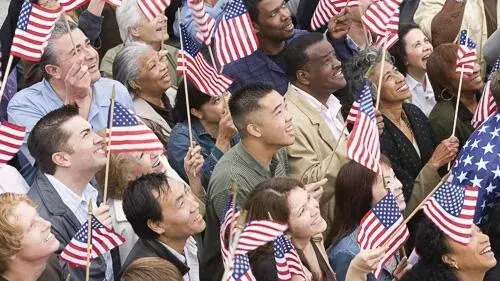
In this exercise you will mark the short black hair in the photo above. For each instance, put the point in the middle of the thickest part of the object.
(196, 100)
(141, 202)
(48, 137)
(295, 57)
(245, 101)
(253, 11)
(398, 50)
(495, 87)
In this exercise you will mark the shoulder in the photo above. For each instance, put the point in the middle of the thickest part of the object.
(414, 111)
(442, 110)
(28, 95)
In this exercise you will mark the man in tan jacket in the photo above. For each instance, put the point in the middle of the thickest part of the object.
(319, 148)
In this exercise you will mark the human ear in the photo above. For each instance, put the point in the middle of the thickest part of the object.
(157, 227)
(62, 159)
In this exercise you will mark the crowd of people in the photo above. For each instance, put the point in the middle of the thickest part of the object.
(278, 135)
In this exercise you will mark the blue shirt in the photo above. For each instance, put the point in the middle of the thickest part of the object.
(178, 145)
(31, 104)
(341, 254)
(259, 67)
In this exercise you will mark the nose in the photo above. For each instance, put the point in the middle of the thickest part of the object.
(97, 139)
(285, 13)
(477, 68)
(195, 206)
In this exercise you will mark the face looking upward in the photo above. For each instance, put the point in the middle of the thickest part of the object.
(150, 32)
(323, 69)
(305, 219)
(394, 88)
(392, 184)
(272, 123)
(37, 242)
(275, 20)
(153, 77)
(418, 48)
(84, 54)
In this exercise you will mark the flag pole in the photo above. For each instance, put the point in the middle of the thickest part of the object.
(234, 193)
(108, 146)
(185, 81)
(89, 241)
(232, 246)
(69, 32)
(6, 75)
(381, 74)
(458, 95)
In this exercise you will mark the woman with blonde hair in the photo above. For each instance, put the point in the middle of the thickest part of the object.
(151, 269)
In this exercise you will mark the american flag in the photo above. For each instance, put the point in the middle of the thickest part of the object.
(33, 30)
(487, 104)
(230, 219)
(383, 226)
(190, 61)
(153, 8)
(391, 34)
(478, 165)
(257, 233)
(205, 23)
(235, 36)
(287, 260)
(103, 240)
(69, 5)
(363, 145)
(11, 139)
(114, 3)
(326, 9)
(129, 133)
(240, 269)
(378, 14)
(466, 55)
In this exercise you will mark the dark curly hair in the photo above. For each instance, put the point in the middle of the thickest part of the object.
(398, 50)
(431, 246)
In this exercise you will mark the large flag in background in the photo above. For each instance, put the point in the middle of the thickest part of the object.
(103, 239)
(204, 22)
(152, 8)
(68, 5)
(383, 226)
(363, 145)
(287, 259)
(391, 34)
(11, 139)
(378, 14)
(466, 55)
(487, 104)
(129, 133)
(235, 36)
(34, 26)
(326, 9)
(478, 165)
(198, 70)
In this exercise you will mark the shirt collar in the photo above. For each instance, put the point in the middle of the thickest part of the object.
(198, 127)
(332, 103)
(251, 162)
(190, 242)
(71, 199)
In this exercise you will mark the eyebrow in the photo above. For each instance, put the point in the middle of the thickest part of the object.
(179, 198)
(276, 108)
(277, 8)
(85, 131)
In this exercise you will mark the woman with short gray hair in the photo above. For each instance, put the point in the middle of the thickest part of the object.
(407, 137)
(146, 75)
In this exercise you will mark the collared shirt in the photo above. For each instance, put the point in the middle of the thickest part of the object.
(178, 145)
(237, 166)
(330, 112)
(31, 104)
(79, 206)
(421, 96)
(189, 258)
(259, 67)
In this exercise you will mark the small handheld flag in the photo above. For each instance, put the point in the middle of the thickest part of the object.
(11, 139)
(487, 105)
(205, 23)
(326, 9)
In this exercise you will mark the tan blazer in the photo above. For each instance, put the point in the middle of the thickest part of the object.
(311, 156)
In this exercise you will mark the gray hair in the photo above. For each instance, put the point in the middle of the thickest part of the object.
(128, 15)
(125, 65)
(49, 56)
(358, 67)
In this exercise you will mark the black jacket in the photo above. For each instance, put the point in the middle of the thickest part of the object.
(153, 248)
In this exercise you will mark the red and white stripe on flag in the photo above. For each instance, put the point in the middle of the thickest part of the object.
(391, 35)
(205, 23)
(69, 5)
(485, 108)
(202, 74)
(466, 59)
(33, 30)
(258, 233)
(134, 138)
(11, 139)
(326, 9)
(378, 15)
(235, 36)
(152, 8)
